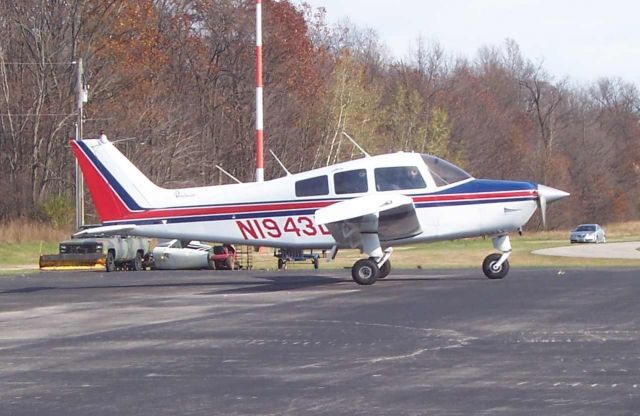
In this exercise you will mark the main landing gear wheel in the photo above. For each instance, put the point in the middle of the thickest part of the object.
(385, 269)
(365, 272)
(489, 267)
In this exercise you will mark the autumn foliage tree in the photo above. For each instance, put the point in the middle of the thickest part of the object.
(175, 78)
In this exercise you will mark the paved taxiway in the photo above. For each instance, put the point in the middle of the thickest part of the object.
(303, 342)
(626, 250)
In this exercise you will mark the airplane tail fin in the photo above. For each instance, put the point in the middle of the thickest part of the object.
(117, 187)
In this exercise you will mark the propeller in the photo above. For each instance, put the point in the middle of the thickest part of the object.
(546, 195)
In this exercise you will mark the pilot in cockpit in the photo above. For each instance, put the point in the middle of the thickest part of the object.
(413, 178)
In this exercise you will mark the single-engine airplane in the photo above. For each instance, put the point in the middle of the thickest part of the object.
(373, 203)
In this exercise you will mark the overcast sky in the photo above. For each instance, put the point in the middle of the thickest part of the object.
(581, 39)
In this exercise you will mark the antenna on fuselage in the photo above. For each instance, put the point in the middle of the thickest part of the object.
(356, 144)
(228, 174)
(279, 162)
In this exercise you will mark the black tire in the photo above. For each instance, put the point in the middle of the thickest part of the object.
(151, 262)
(488, 269)
(282, 265)
(111, 262)
(385, 269)
(137, 263)
(365, 272)
(230, 263)
(316, 263)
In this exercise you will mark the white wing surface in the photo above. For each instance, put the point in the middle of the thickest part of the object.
(388, 216)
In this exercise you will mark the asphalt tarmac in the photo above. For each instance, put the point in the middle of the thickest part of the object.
(307, 342)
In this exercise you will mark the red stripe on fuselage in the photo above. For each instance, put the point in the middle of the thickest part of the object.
(227, 209)
(292, 205)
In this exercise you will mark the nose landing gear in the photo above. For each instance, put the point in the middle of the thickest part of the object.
(496, 266)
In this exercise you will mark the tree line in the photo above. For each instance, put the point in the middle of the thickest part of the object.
(176, 79)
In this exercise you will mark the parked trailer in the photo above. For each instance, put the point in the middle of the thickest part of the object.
(285, 256)
(109, 253)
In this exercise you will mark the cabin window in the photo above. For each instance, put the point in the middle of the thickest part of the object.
(398, 177)
(313, 186)
(351, 181)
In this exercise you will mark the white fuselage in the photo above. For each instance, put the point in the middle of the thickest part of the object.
(273, 213)
(300, 231)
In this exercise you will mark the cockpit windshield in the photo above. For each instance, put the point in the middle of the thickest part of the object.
(443, 172)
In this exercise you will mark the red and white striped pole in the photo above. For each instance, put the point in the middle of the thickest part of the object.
(259, 112)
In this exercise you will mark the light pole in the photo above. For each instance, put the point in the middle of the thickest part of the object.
(259, 112)
(81, 97)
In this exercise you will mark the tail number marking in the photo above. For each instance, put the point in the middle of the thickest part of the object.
(268, 227)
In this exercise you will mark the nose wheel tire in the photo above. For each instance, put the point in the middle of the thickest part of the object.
(365, 272)
(489, 267)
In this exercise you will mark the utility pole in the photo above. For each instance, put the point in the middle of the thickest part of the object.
(81, 98)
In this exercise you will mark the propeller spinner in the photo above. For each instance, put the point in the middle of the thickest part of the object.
(547, 194)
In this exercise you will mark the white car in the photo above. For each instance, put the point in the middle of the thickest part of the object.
(588, 233)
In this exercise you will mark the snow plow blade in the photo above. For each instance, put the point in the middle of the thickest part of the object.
(93, 261)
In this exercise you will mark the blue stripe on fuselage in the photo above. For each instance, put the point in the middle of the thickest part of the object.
(486, 185)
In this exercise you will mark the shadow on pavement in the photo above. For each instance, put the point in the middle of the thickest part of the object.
(261, 284)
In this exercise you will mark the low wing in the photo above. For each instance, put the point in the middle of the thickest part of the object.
(106, 230)
(390, 216)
